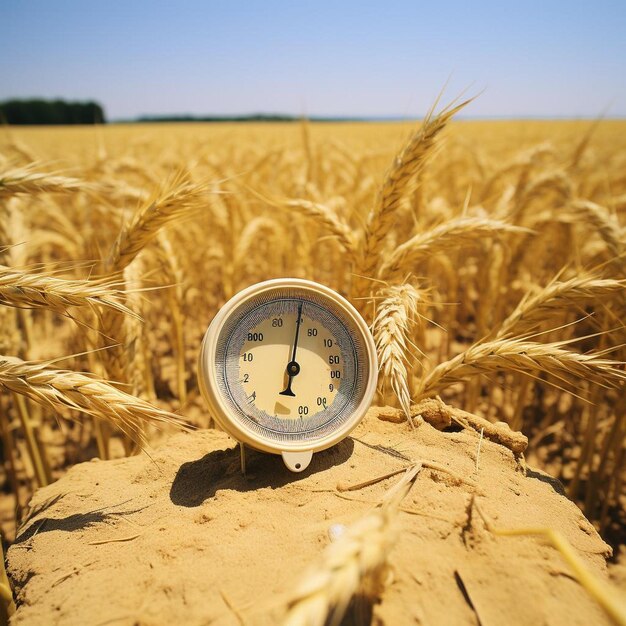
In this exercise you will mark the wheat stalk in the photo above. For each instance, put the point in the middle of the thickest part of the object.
(64, 389)
(356, 559)
(118, 337)
(392, 330)
(134, 354)
(521, 356)
(176, 198)
(169, 263)
(29, 290)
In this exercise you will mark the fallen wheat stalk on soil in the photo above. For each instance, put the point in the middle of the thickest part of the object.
(608, 597)
(355, 560)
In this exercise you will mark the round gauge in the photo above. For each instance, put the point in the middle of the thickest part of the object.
(288, 366)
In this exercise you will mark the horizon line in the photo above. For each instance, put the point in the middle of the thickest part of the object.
(287, 117)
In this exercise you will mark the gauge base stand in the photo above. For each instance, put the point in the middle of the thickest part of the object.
(294, 461)
(297, 461)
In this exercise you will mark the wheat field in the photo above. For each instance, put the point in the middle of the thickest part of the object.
(488, 258)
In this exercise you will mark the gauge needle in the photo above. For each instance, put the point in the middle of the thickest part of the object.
(293, 369)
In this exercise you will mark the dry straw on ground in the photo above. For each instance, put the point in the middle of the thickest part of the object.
(354, 563)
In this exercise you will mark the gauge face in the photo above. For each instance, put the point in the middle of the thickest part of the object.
(288, 365)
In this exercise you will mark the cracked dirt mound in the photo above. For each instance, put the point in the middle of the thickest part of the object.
(183, 538)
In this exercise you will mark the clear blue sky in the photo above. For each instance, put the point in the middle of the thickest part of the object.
(385, 58)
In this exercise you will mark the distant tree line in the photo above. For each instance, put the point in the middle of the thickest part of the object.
(39, 111)
(254, 117)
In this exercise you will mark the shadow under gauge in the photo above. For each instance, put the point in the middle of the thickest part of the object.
(198, 481)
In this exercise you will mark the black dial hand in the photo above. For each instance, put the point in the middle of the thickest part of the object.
(293, 368)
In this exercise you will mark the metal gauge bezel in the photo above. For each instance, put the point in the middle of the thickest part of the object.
(220, 409)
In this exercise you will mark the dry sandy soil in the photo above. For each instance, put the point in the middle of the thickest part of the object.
(182, 537)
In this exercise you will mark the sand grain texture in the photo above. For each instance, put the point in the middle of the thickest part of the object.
(184, 538)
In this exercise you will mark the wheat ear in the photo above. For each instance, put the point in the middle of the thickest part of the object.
(607, 226)
(29, 290)
(64, 389)
(27, 180)
(257, 229)
(357, 559)
(523, 161)
(324, 215)
(556, 182)
(392, 330)
(178, 197)
(521, 356)
(536, 308)
(449, 235)
(404, 170)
